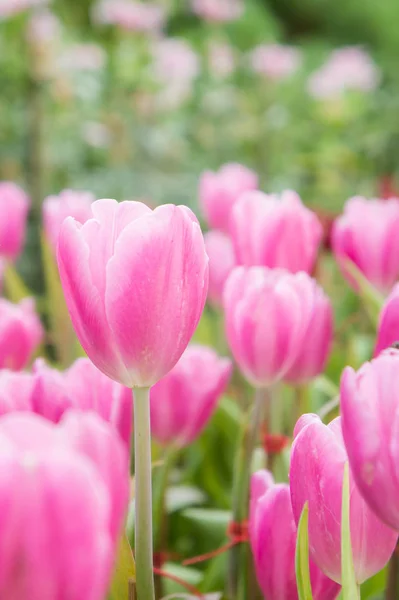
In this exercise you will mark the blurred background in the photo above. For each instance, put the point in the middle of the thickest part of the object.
(134, 99)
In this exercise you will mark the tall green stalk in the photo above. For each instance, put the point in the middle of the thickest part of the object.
(239, 555)
(143, 495)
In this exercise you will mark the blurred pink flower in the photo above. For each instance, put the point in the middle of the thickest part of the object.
(175, 66)
(275, 231)
(68, 203)
(349, 68)
(51, 393)
(8, 8)
(130, 15)
(20, 333)
(388, 322)
(367, 234)
(218, 11)
(219, 191)
(14, 208)
(43, 28)
(64, 492)
(174, 59)
(222, 261)
(221, 59)
(275, 61)
(183, 402)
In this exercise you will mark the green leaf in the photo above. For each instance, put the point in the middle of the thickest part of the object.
(350, 589)
(372, 300)
(180, 497)
(124, 571)
(15, 288)
(62, 333)
(302, 557)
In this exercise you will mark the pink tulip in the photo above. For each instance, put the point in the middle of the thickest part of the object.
(15, 391)
(268, 315)
(14, 206)
(316, 475)
(221, 262)
(183, 402)
(58, 515)
(82, 387)
(368, 235)
(218, 192)
(275, 232)
(218, 12)
(275, 61)
(318, 338)
(20, 333)
(369, 405)
(135, 282)
(91, 436)
(388, 326)
(273, 532)
(68, 203)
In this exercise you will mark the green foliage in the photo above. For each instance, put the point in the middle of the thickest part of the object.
(302, 557)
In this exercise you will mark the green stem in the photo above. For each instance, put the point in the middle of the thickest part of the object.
(143, 495)
(303, 400)
(239, 555)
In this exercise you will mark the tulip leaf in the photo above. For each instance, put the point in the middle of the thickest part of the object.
(302, 557)
(15, 288)
(124, 571)
(371, 298)
(350, 589)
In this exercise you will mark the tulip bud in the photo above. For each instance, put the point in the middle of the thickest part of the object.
(218, 192)
(14, 205)
(368, 235)
(275, 232)
(273, 533)
(370, 409)
(135, 283)
(183, 402)
(20, 333)
(269, 314)
(316, 476)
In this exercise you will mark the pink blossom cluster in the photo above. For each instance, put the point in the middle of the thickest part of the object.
(130, 15)
(349, 68)
(8, 8)
(275, 61)
(175, 67)
(219, 11)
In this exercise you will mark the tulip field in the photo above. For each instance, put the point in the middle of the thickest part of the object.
(199, 300)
